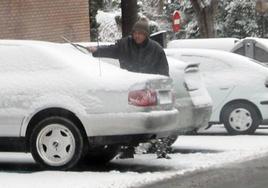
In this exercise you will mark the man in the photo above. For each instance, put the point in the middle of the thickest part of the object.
(136, 53)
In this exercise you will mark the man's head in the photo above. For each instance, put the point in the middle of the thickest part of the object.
(140, 30)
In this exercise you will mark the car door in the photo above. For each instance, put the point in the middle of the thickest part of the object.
(12, 95)
(217, 76)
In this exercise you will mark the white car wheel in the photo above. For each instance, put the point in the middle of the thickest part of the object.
(56, 143)
(240, 118)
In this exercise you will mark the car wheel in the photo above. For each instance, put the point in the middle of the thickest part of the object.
(240, 118)
(56, 143)
(101, 155)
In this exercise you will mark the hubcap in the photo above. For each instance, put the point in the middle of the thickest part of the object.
(240, 119)
(55, 144)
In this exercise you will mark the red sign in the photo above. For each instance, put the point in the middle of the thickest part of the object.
(176, 25)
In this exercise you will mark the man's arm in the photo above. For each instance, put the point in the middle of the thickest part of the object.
(162, 65)
(111, 51)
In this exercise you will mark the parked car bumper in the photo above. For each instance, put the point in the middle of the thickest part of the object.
(159, 123)
(202, 116)
(193, 117)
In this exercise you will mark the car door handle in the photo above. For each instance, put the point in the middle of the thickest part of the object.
(224, 88)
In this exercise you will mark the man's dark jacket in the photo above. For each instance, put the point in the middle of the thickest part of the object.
(148, 57)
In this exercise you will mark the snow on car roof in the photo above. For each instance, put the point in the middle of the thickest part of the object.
(225, 44)
(240, 65)
(235, 60)
(260, 42)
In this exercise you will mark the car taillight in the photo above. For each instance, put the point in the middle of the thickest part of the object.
(144, 97)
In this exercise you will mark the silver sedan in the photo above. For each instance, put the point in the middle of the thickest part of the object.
(59, 104)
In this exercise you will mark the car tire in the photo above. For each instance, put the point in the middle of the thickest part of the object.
(56, 143)
(101, 155)
(240, 118)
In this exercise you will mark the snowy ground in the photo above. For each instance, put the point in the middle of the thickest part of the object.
(209, 149)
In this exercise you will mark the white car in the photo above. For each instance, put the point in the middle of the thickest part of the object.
(192, 98)
(237, 85)
(59, 103)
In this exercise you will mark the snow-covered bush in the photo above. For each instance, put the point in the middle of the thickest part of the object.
(237, 19)
(109, 29)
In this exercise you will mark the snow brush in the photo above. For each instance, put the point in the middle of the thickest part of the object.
(78, 47)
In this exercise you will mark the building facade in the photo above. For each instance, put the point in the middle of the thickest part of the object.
(47, 20)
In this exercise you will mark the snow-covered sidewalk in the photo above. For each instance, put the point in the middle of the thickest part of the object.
(191, 153)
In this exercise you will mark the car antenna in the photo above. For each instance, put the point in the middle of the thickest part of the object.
(98, 44)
